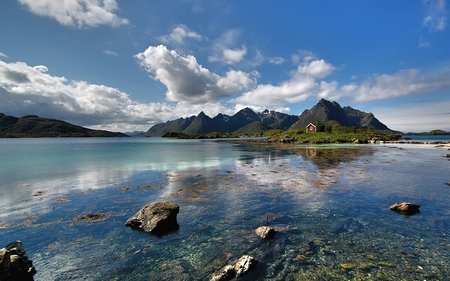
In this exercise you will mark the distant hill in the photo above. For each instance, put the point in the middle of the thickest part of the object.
(32, 126)
(135, 133)
(247, 121)
(325, 111)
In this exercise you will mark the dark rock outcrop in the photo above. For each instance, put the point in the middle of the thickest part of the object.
(229, 272)
(405, 208)
(158, 218)
(14, 263)
(265, 232)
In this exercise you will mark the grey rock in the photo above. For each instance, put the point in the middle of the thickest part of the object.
(158, 218)
(243, 266)
(265, 232)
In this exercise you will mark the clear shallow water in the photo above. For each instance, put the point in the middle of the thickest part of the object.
(330, 205)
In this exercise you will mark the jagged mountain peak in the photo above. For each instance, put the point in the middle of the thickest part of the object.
(323, 111)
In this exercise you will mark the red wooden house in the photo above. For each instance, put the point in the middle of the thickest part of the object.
(311, 128)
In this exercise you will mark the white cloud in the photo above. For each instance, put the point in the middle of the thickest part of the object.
(301, 86)
(110, 53)
(224, 50)
(179, 34)
(3, 55)
(316, 69)
(276, 60)
(186, 80)
(436, 18)
(77, 13)
(31, 90)
(403, 83)
(41, 68)
(232, 56)
(259, 59)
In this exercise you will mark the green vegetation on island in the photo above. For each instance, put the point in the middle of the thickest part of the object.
(333, 132)
(327, 132)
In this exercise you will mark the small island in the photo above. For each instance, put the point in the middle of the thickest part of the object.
(32, 126)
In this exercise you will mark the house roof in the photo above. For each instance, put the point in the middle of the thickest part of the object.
(311, 124)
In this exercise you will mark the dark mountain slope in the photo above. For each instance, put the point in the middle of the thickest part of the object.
(325, 111)
(34, 126)
(278, 120)
(178, 125)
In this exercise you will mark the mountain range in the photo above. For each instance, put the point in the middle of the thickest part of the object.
(34, 126)
(248, 121)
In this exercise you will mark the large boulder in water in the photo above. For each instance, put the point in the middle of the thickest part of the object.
(405, 208)
(158, 218)
(245, 264)
(14, 263)
(265, 232)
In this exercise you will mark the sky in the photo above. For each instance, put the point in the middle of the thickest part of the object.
(126, 65)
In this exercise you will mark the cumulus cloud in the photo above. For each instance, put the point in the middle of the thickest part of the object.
(31, 90)
(301, 86)
(224, 48)
(179, 34)
(306, 82)
(77, 13)
(436, 17)
(187, 81)
(28, 89)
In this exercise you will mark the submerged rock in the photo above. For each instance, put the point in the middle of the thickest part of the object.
(93, 217)
(14, 263)
(158, 218)
(265, 232)
(347, 225)
(244, 265)
(405, 208)
(228, 272)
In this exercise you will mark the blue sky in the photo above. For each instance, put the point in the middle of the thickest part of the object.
(125, 65)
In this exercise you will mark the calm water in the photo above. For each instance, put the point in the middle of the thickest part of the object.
(428, 138)
(330, 205)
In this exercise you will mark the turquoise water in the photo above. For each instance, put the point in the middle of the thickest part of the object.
(329, 203)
